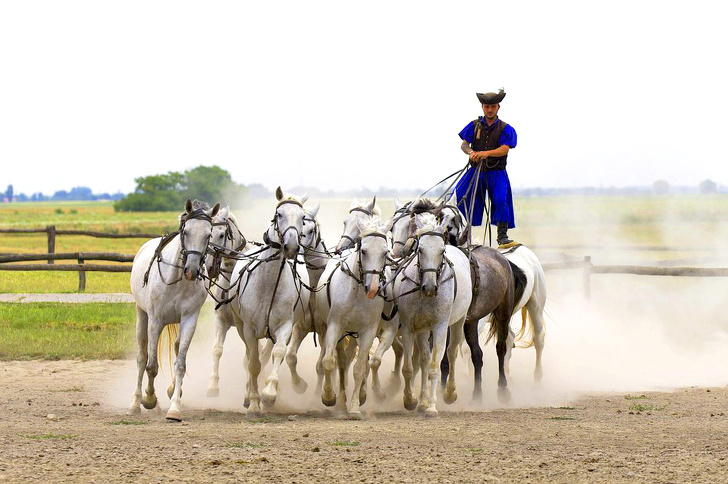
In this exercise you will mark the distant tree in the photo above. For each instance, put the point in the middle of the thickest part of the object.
(9, 193)
(708, 186)
(60, 195)
(661, 187)
(168, 192)
(81, 193)
(22, 197)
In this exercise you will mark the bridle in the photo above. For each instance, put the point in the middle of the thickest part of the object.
(197, 214)
(356, 209)
(216, 269)
(276, 228)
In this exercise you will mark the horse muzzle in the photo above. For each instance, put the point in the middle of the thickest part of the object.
(372, 289)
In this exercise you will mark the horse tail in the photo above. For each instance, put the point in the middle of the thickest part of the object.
(525, 334)
(169, 333)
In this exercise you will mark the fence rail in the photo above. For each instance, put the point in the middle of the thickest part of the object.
(53, 232)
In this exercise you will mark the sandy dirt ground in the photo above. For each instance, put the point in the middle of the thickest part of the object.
(57, 424)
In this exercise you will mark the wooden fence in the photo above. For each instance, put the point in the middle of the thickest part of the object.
(53, 232)
(81, 257)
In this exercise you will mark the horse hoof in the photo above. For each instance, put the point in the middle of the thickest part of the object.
(328, 400)
(251, 414)
(431, 413)
(149, 401)
(246, 402)
(362, 397)
(504, 395)
(213, 392)
(170, 391)
(355, 415)
(268, 397)
(300, 386)
(134, 410)
(175, 415)
(421, 408)
(450, 398)
(410, 404)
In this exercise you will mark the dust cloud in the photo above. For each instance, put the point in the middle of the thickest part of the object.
(633, 334)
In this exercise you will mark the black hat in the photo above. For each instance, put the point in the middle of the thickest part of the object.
(491, 97)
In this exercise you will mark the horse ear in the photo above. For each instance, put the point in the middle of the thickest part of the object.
(304, 198)
(372, 204)
(388, 224)
(397, 205)
(314, 210)
(188, 206)
(215, 209)
(279, 194)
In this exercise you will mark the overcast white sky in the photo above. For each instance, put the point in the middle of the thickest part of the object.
(352, 94)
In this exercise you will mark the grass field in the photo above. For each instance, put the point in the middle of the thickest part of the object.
(66, 331)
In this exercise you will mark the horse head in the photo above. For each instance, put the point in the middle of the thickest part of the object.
(311, 233)
(430, 238)
(287, 224)
(195, 231)
(372, 249)
(358, 211)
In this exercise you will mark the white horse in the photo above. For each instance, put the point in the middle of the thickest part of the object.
(225, 235)
(433, 291)
(270, 295)
(167, 289)
(316, 256)
(352, 308)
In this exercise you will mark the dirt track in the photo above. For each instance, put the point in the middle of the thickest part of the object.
(596, 438)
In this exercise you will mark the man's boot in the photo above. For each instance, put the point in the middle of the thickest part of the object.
(503, 234)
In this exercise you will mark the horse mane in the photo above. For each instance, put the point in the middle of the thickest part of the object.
(369, 227)
(428, 221)
(422, 205)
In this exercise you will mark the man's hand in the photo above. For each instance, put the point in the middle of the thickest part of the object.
(477, 156)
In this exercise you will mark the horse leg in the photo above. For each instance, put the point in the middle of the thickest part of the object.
(283, 336)
(395, 382)
(386, 339)
(149, 400)
(361, 368)
(439, 340)
(476, 356)
(502, 320)
(410, 402)
(253, 357)
(141, 335)
(222, 326)
(422, 342)
(445, 365)
(539, 335)
(344, 354)
(328, 397)
(299, 384)
(186, 331)
(456, 334)
(320, 365)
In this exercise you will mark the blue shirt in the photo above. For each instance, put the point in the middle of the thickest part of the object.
(507, 137)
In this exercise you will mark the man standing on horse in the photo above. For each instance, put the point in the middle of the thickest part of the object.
(487, 141)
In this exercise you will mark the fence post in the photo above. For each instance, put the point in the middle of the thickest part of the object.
(51, 229)
(586, 276)
(81, 276)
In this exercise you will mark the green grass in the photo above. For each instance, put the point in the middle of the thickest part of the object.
(562, 418)
(345, 443)
(66, 331)
(636, 407)
(51, 437)
(632, 397)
